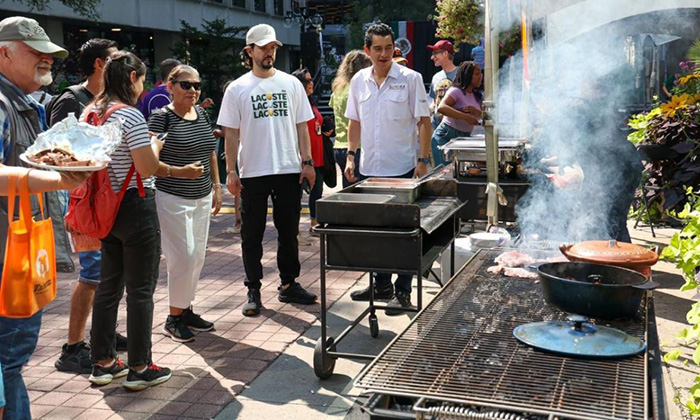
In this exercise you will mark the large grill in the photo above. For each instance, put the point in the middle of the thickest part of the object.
(460, 349)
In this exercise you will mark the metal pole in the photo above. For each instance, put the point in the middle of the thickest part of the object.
(491, 93)
(320, 40)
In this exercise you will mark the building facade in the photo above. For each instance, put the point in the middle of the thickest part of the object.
(151, 28)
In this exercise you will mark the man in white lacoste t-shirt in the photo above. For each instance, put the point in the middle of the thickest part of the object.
(264, 115)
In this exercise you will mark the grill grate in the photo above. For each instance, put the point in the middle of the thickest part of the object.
(461, 349)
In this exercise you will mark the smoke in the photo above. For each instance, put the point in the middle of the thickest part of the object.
(573, 114)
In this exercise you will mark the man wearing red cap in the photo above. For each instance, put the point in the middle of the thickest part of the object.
(443, 56)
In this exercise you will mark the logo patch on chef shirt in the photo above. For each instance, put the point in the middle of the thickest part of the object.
(398, 86)
(270, 105)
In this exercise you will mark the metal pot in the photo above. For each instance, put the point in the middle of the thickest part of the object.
(595, 290)
(612, 252)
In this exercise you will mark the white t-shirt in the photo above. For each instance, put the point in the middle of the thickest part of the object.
(388, 118)
(266, 111)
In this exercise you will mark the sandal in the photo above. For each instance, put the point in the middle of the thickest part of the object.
(236, 229)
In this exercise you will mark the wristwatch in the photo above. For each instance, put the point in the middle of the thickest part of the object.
(309, 162)
(424, 160)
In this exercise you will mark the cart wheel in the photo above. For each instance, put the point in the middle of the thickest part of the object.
(324, 371)
(373, 326)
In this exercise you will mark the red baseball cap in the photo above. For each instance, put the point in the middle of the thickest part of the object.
(443, 45)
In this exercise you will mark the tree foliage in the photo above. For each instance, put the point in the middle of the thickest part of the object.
(214, 52)
(386, 11)
(85, 8)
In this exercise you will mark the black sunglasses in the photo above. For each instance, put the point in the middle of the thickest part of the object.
(188, 85)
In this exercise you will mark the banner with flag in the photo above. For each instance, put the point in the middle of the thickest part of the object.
(403, 30)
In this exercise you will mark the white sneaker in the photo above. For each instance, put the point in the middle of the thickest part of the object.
(303, 240)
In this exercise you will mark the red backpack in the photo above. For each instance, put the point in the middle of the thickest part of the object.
(94, 205)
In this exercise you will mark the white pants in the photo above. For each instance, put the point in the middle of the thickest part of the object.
(184, 226)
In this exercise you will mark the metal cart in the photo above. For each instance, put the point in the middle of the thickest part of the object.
(378, 235)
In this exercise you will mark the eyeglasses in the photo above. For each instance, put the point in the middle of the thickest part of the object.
(188, 85)
(436, 52)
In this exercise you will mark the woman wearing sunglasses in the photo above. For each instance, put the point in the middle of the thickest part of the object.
(187, 188)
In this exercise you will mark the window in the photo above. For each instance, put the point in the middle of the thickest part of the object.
(259, 5)
(279, 7)
(238, 3)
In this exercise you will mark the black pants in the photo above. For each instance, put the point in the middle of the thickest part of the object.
(130, 258)
(403, 281)
(285, 191)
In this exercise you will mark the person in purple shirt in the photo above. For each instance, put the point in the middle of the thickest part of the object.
(461, 108)
(159, 96)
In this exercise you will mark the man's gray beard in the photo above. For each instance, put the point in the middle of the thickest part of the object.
(44, 80)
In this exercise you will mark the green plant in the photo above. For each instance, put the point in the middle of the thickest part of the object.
(214, 52)
(684, 250)
(674, 126)
(639, 124)
(85, 8)
(460, 20)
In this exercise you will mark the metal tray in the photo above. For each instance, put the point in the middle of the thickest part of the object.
(359, 198)
(404, 194)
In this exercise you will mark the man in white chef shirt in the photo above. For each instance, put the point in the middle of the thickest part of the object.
(385, 103)
(264, 115)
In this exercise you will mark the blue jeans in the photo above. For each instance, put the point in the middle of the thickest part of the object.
(18, 338)
(90, 263)
(316, 192)
(443, 134)
(341, 156)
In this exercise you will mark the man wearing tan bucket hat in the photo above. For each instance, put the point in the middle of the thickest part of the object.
(26, 56)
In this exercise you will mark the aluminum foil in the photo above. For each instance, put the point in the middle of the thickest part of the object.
(87, 142)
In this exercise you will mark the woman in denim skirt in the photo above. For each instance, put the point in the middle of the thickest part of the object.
(461, 108)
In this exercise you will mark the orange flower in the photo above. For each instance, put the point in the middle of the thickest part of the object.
(685, 79)
(676, 103)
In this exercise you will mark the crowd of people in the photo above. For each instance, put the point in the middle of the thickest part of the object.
(167, 165)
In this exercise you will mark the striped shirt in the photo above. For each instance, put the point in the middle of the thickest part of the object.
(188, 141)
(134, 136)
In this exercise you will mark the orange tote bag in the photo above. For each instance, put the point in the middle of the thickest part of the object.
(29, 273)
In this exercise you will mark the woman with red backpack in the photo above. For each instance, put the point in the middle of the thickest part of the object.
(131, 250)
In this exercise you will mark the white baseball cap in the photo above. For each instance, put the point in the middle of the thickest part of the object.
(261, 34)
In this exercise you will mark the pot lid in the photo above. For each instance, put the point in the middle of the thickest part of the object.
(611, 252)
(576, 337)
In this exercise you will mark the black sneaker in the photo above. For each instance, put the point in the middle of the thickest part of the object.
(176, 329)
(104, 375)
(153, 375)
(380, 292)
(195, 321)
(252, 307)
(398, 303)
(74, 358)
(295, 294)
(121, 342)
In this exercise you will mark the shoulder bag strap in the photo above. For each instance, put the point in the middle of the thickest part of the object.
(142, 193)
(79, 94)
(11, 193)
(25, 204)
(111, 110)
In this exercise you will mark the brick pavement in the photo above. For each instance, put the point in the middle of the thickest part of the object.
(209, 372)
